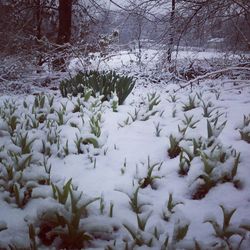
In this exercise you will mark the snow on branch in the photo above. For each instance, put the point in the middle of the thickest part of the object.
(197, 79)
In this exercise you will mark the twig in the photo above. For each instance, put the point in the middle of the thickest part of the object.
(197, 79)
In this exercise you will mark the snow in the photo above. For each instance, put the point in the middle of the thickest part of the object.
(112, 171)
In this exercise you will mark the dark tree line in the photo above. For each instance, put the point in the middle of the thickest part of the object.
(47, 29)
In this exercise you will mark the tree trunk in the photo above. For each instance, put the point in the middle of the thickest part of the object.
(65, 14)
(38, 17)
(64, 32)
(171, 33)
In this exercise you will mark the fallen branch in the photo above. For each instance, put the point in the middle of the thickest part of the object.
(197, 79)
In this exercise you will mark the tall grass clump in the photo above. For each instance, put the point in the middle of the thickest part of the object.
(102, 83)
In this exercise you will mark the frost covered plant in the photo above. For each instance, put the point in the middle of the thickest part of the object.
(114, 102)
(153, 100)
(137, 234)
(244, 129)
(95, 126)
(157, 129)
(102, 205)
(197, 145)
(10, 107)
(189, 153)
(134, 201)
(169, 209)
(78, 142)
(226, 230)
(12, 181)
(39, 102)
(208, 109)
(174, 149)
(191, 104)
(214, 130)
(53, 136)
(134, 116)
(62, 223)
(87, 94)
(60, 119)
(20, 162)
(23, 142)
(47, 168)
(126, 122)
(214, 173)
(64, 228)
(111, 209)
(66, 193)
(174, 111)
(66, 148)
(46, 150)
(184, 164)
(32, 236)
(12, 122)
(62, 195)
(77, 106)
(32, 121)
(124, 167)
(188, 123)
(173, 98)
(180, 231)
(150, 178)
(179, 234)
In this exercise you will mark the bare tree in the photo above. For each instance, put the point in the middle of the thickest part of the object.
(64, 32)
(171, 33)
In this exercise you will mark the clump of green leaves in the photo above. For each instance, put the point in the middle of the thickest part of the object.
(12, 121)
(62, 195)
(179, 234)
(157, 129)
(214, 130)
(225, 231)
(114, 102)
(124, 167)
(174, 149)
(187, 122)
(32, 236)
(137, 234)
(191, 104)
(23, 142)
(104, 83)
(184, 164)
(134, 202)
(150, 178)
(212, 174)
(63, 222)
(12, 181)
(173, 98)
(169, 209)
(153, 100)
(94, 123)
(208, 108)
(244, 129)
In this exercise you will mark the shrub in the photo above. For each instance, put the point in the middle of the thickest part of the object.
(104, 83)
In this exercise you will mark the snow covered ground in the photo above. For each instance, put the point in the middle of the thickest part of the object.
(165, 165)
